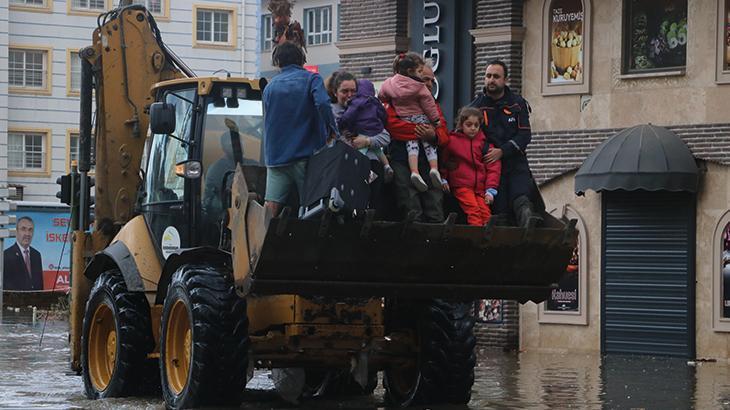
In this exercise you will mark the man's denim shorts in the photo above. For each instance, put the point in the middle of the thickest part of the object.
(281, 180)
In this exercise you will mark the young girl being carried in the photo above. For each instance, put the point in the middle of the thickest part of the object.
(473, 183)
(413, 103)
(365, 115)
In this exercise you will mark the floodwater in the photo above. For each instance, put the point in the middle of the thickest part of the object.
(34, 375)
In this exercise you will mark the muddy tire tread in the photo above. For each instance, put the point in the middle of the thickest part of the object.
(134, 335)
(220, 338)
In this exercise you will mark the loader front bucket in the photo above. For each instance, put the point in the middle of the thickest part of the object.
(411, 259)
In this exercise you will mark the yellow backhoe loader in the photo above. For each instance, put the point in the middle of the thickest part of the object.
(186, 282)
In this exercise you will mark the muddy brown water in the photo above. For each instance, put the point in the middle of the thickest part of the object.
(34, 375)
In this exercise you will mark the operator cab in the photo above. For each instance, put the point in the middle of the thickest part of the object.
(191, 157)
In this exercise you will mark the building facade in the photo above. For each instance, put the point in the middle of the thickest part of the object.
(590, 69)
(39, 87)
(320, 22)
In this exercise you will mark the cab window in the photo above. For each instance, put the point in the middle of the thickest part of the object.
(167, 150)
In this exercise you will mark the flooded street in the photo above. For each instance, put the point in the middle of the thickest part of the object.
(37, 376)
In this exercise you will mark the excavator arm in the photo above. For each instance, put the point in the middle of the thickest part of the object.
(126, 58)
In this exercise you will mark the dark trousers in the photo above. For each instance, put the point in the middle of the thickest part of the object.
(516, 180)
(427, 205)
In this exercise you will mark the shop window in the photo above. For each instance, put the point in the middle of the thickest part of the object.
(318, 25)
(267, 31)
(28, 152)
(723, 41)
(721, 275)
(568, 303)
(214, 27)
(566, 30)
(489, 310)
(655, 35)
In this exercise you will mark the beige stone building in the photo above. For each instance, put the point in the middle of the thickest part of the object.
(651, 273)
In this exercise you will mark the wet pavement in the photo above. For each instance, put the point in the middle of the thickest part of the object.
(34, 375)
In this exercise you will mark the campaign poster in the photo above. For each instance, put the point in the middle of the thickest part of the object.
(489, 310)
(49, 251)
(565, 51)
(565, 297)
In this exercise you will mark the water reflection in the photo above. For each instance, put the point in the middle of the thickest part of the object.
(35, 377)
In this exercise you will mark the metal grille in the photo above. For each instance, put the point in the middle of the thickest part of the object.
(648, 268)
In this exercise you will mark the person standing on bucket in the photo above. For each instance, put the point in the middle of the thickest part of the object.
(506, 123)
(298, 121)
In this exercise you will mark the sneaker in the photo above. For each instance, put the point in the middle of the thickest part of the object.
(435, 177)
(418, 182)
(388, 171)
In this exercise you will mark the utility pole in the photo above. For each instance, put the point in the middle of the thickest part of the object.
(6, 221)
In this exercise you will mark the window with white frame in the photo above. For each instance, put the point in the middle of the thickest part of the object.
(27, 68)
(29, 3)
(213, 26)
(318, 25)
(27, 151)
(154, 6)
(74, 72)
(88, 5)
(73, 148)
(267, 32)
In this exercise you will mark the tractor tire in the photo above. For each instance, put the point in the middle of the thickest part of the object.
(443, 373)
(204, 339)
(116, 338)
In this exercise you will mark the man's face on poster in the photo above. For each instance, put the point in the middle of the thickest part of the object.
(24, 233)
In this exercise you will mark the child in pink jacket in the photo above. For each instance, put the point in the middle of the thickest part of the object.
(412, 101)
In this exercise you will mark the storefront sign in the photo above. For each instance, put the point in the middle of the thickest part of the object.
(440, 32)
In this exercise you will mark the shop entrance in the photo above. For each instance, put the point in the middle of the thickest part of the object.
(647, 285)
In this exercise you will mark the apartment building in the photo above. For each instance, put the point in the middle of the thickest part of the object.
(320, 21)
(40, 73)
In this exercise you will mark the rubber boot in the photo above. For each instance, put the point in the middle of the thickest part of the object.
(525, 214)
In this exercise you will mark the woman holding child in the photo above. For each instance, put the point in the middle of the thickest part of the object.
(361, 120)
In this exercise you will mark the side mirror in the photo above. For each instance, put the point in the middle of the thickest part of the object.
(189, 169)
(162, 118)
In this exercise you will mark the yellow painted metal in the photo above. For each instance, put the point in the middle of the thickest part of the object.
(80, 289)
(249, 222)
(329, 333)
(102, 347)
(265, 311)
(136, 237)
(178, 347)
(205, 84)
(156, 318)
(332, 311)
(130, 61)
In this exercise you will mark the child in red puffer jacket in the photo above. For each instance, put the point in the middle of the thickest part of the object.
(473, 183)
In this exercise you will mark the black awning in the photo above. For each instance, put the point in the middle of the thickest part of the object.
(644, 157)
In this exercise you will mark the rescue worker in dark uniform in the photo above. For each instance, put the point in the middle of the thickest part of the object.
(506, 123)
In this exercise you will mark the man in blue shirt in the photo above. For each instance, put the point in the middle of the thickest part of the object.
(298, 121)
